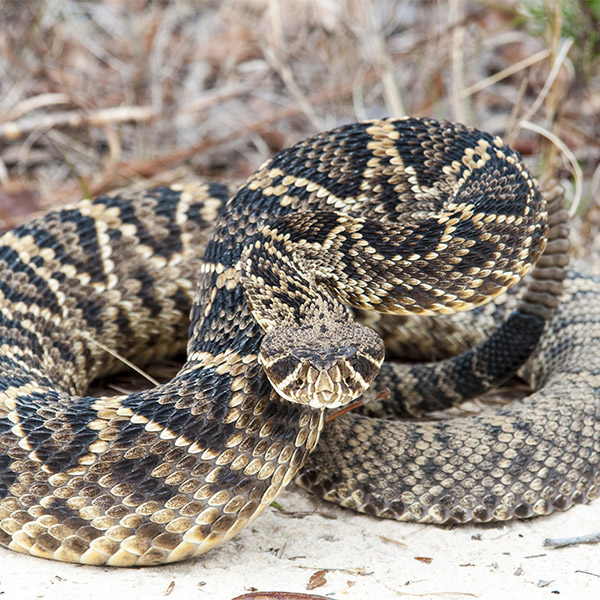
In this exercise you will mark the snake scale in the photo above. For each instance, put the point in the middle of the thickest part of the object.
(404, 216)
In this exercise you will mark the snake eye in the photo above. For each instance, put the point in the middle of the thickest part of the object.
(353, 362)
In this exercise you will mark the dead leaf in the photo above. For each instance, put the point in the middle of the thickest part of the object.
(316, 580)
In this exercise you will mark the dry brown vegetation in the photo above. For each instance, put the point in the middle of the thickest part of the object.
(111, 93)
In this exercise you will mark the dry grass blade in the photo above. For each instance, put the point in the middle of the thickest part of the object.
(489, 81)
(287, 76)
(456, 9)
(121, 358)
(520, 65)
(568, 153)
(374, 41)
(557, 64)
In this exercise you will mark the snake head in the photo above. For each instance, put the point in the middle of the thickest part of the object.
(321, 369)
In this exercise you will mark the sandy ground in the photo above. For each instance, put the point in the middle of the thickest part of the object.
(363, 557)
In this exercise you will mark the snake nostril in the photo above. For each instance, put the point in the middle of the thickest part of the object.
(348, 352)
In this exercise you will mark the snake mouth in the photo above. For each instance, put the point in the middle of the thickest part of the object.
(319, 391)
(323, 392)
(329, 389)
(301, 382)
(322, 368)
(335, 398)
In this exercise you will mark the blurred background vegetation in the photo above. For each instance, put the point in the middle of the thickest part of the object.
(104, 94)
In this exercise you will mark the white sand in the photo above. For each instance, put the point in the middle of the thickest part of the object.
(365, 558)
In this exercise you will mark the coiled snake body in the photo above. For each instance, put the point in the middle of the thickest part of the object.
(405, 216)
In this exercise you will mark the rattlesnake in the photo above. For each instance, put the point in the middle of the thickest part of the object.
(369, 215)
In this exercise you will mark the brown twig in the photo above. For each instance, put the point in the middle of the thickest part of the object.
(13, 130)
(279, 596)
(591, 538)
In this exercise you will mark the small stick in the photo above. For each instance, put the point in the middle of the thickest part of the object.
(344, 409)
(587, 573)
(590, 538)
(383, 395)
